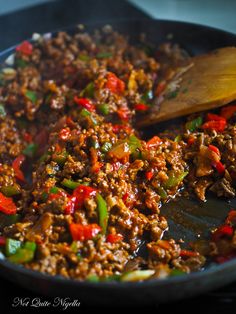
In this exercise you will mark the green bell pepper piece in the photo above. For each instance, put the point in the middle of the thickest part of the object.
(31, 96)
(10, 190)
(104, 109)
(194, 124)
(70, 184)
(30, 150)
(102, 212)
(22, 256)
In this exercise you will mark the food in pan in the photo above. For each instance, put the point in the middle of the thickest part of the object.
(81, 188)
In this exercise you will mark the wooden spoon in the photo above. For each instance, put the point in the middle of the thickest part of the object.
(209, 83)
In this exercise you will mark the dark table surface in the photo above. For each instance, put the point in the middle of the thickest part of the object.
(19, 25)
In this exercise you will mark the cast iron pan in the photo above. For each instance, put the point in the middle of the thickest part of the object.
(187, 218)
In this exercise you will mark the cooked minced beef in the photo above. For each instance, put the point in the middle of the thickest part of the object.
(81, 191)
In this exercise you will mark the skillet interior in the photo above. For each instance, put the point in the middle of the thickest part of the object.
(186, 218)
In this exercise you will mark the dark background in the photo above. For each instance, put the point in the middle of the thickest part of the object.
(42, 18)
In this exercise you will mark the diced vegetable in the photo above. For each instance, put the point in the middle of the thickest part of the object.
(176, 272)
(217, 125)
(54, 190)
(12, 246)
(93, 278)
(60, 157)
(85, 113)
(2, 111)
(120, 150)
(16, 166)
(194, 124)
(114, 84)
(21, 256)
(178, 138)
(174, 180)
(84, 232)
(114, 238)
(7, 206)
(228, 112)
(141, 107)
(221, 232)
(102, 212)
(88, 91)
(10, 190)
(82, 193)
(214, 149)
(137, 275)
(30, 246)
(25, 48)
(70, 205)
(70, 184)
(161, 191)
(134, 143)
(85, 103)
(187, 253)
(154, 142)
(84, 57)
(30, 150)
(104, 55)
(219, 167)
(2, 241)
(214, 117)
(149, 175)
(20, 63)
(104, 109)
(32, 96)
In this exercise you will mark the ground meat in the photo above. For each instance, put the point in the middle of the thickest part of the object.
(85, 188)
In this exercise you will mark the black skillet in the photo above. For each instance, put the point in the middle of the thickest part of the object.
(188, 219)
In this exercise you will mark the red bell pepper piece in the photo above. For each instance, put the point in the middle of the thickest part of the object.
(149, 175)
(70, 206)
(65, 134)
(116, 128)
(153, 142)
(28, 137)
(228, 112)
(2, 240)
(218, 125)
(114, 84)
(85, 103)
(25, 47)
(16, 166)
(123, 114)
(191, 140)
(221, 232)
(114, 238)
(187, 253)
(214, 117)
(219, 167)
(7, 206)
(128, 199)
(214, 149)
(84, 232)
(81, 193)
(141, 107)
